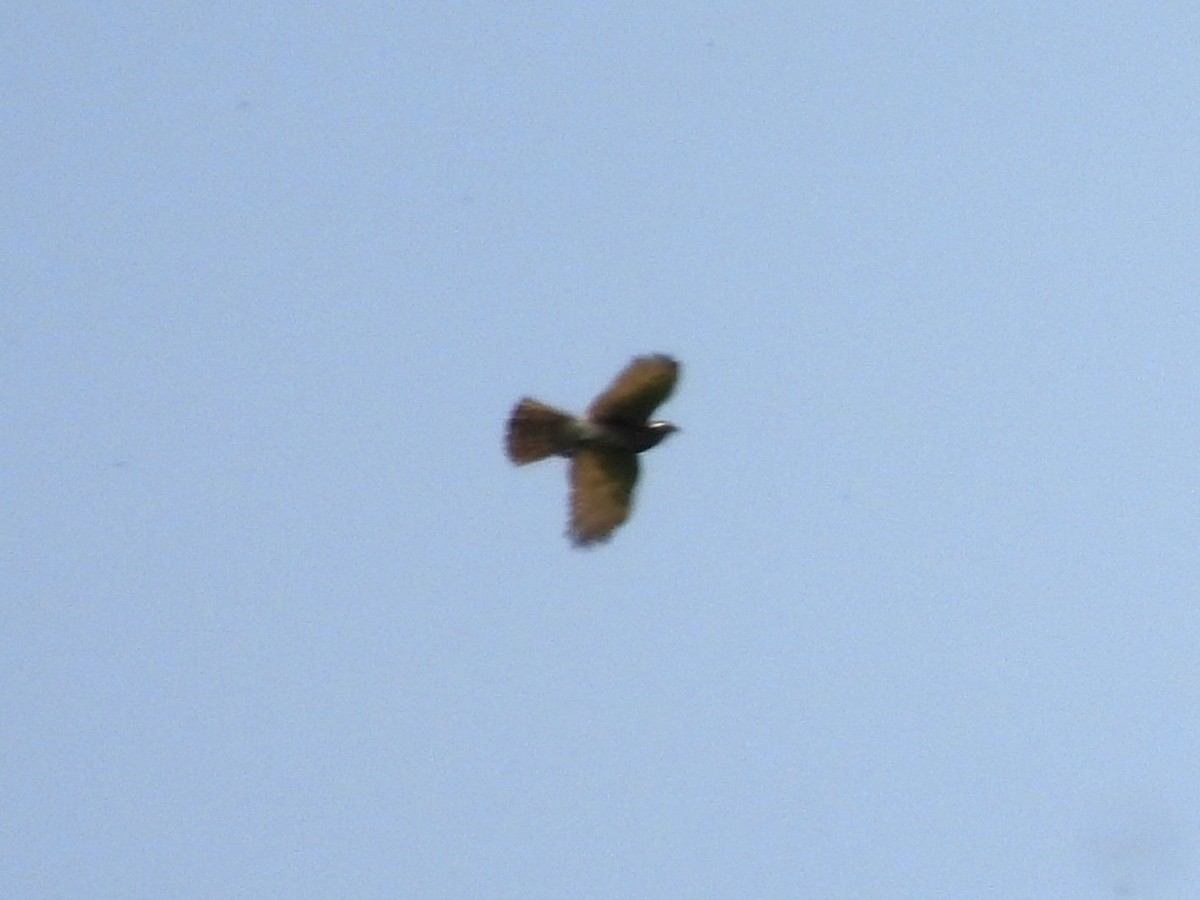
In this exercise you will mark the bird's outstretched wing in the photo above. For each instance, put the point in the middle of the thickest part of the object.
(637, 391)
(602, 480)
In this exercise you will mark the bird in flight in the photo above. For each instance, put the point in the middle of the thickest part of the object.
(602, 444)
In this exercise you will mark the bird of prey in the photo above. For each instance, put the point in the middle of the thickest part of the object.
(602, 445)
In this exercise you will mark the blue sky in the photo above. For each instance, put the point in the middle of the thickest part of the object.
(908, 610)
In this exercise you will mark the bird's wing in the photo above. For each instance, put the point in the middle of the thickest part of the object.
(637, 391)
(602, 480)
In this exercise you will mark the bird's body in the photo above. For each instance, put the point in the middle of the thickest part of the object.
(602, 444)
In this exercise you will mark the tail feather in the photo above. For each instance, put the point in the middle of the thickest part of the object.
(536, 431)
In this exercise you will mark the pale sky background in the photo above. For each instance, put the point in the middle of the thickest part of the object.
(910, 609)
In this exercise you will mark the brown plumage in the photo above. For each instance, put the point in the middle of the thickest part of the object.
(536, 431)
(602, 444)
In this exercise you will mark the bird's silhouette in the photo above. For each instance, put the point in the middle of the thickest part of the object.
(602, 444)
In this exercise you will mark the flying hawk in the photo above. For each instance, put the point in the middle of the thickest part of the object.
(602, 444)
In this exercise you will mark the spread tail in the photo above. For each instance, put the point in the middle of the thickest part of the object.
(536, 431)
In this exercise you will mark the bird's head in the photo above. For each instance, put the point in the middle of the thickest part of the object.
(659, 430)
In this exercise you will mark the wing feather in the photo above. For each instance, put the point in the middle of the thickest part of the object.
(602, 481)
(635, 393)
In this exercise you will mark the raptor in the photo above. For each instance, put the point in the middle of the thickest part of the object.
(602, 445)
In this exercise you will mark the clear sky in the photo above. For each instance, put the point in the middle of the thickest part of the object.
(908, 610)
